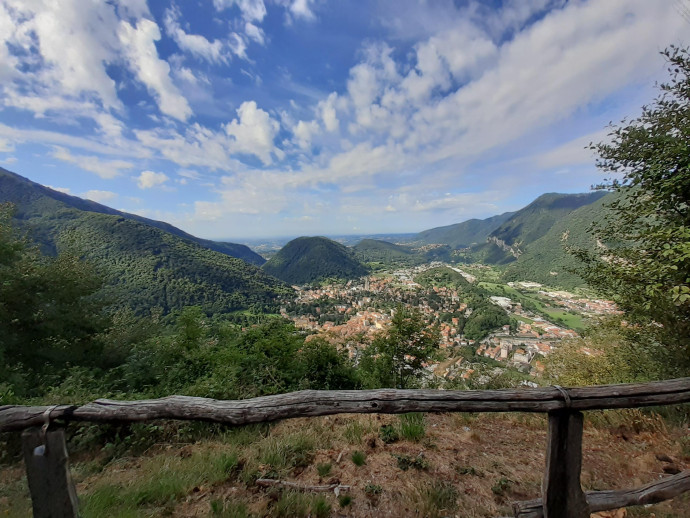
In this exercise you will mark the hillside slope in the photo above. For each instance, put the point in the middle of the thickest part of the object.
(143, 265)
(545, 260)
(374, 250)
(43, 210)
(532, 222)
(465, 234)
(312, 259)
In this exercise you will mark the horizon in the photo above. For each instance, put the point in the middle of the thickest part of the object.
(268, 119)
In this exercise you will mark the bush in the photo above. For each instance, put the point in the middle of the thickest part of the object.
(388, 434)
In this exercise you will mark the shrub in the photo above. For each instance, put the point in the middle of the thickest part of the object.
(406, 462)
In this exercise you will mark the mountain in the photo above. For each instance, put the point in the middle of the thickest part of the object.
(465, 234)
(312, 259)
(532, 222)
(143, 264)
(374, 250)
(34, 201)
(545, 260)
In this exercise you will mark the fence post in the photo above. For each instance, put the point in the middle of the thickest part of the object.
(562, 493)
(47, 470)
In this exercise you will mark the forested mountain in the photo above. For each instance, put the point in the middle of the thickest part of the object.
(545, 259)
(465, 234)
(374, 250)
(311, 259)
(144, 265)
(43, 210)
(533, 222)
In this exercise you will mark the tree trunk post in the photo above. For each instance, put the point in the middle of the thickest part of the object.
(561, 490)
(47, 471)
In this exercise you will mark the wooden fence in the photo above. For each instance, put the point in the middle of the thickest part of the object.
(53, 494)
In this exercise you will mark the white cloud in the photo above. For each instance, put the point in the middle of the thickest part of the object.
(99, 196)
(6, 146)
(253, 132)
(195, 44)
(302, 9)
(255, 33)
(106, 169)
(252, 10)
(140, 49)
(150, 179)
(304, 131)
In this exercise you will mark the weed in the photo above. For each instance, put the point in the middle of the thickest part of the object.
(354, 432)
(406, 462)
(228, 463)
(344, 500)
(228, 509)
(412, 426)
(437, 499)
(291, 503)
(359, 458)
(320, 508)
(501, 486)
(469, 470)
(373, 490)
(293, 451)
(324, 469)
(388, 434)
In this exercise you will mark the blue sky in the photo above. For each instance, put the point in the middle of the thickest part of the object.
(237, 119)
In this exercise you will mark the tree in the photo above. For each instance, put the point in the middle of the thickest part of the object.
(49, 315)
(397, 356)
(644, 260)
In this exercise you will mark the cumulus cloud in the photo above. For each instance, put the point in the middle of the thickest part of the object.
(106, 169)
(150, 179)
(139, 45)
(252, 10)
(195, 44)
(253, 132)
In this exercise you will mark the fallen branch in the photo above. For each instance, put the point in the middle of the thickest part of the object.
(269, 482)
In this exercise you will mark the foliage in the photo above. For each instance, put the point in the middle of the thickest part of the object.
(308, 260)
(396, 357)
(49, 315)
(645, 265)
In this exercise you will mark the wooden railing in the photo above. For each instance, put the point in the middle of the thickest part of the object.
(52, 491)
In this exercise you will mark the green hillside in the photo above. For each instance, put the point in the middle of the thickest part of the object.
(43, 210)
(143, 265)
(147, 267)
(534, 221)
(463, 235)
(311, 259)
(374, 250)
(545, 259)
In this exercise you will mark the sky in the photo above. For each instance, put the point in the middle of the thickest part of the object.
(239, 119)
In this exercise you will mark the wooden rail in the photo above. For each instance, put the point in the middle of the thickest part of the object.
(563, 495)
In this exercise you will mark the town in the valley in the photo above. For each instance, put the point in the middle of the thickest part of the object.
(532, 319)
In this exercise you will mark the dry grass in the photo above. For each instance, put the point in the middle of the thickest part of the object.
(475, 466)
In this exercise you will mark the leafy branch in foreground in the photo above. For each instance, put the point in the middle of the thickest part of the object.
(644, 258)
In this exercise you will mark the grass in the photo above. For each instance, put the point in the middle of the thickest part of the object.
(292, 451)
(412, 426)
(324, 469)
(354, 431)
(359, 458)
(162, 481)
(437, 499)
(293, 503)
